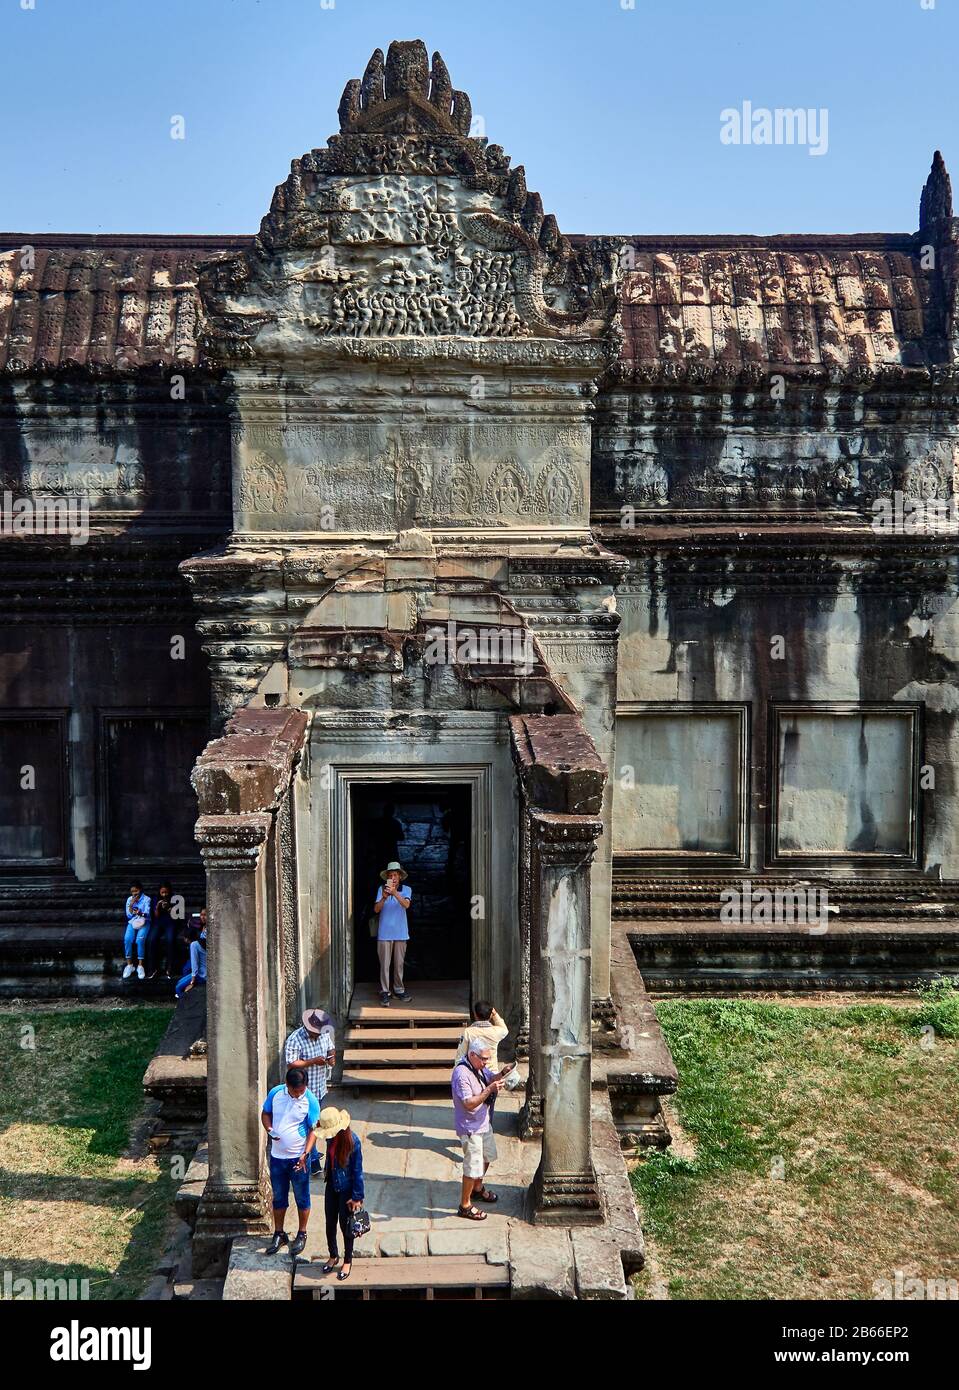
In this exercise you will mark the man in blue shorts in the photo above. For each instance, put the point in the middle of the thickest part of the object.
(289, 1115)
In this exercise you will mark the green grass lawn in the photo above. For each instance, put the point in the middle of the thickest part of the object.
(824, 1150)
(75, 1200)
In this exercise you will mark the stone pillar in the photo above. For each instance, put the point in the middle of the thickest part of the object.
(529, 1038)
(236, 1198)
(564, 1189)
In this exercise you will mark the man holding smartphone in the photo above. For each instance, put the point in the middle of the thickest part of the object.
(392, 933)
(289, 1115)
(475, 1088)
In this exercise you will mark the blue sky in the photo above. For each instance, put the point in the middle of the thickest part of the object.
(615, 112)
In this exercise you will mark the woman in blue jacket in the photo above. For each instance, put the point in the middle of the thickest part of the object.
(343, 1175)
(197, 969)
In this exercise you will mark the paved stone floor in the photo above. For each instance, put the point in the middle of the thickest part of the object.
(412, 1163)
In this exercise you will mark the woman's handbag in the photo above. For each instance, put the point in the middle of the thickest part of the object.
(374, 924)
(359, 1222)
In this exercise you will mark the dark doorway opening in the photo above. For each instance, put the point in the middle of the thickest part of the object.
(427, 827)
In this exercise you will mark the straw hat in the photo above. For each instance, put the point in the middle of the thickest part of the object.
(316, 1020)
(394, 867)
(332, 1121)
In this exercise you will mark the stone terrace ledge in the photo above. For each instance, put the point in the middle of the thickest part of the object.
(641, 1070)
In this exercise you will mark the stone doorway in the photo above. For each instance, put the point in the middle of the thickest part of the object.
(428, 828)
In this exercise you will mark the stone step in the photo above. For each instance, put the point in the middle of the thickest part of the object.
(433, 1002)
(396, 1076)
(406, 1056)
(709, 957)
(415, 1272)
(411, 1033)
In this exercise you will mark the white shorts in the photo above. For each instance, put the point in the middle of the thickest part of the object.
(477, 1150)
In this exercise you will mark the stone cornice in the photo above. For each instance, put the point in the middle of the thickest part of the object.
(232, 842)
(586, 358)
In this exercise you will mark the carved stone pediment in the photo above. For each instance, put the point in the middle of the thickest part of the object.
(406, 227)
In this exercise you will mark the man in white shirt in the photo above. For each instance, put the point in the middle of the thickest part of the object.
(289, 1116)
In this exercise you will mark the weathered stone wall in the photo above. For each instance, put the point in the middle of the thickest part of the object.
(99, 649)
(770, 632)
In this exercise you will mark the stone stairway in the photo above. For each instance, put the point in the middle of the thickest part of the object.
(883, 934)
(404, 1046)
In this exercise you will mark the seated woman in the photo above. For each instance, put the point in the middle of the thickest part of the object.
(197, 962)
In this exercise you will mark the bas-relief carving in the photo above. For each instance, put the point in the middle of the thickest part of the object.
(398, 263)
(412, 478)
(815, 471)
(104, 472)
(579, 655)
(390, 259)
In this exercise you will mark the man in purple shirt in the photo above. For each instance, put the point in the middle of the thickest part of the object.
(474, 1088)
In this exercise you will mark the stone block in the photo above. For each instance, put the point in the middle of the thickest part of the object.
(473, 1239)
(599, 1266)
(253, 1276)
(541, 1263)
(158, 1290)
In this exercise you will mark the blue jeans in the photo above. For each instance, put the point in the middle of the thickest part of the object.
(138, 935)
(160, 943)
(281, 1176)
(182, 984)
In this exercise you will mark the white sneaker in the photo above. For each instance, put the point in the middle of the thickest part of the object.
(141, 973)
(127, 971)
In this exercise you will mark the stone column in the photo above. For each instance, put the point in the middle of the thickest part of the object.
(236, 1196)
(562, 847)
(531, 1115)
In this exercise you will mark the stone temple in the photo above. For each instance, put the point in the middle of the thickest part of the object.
(593, 576)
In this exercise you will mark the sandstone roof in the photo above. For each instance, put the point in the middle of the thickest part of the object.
(104, 303)
(691, 307)
(838, 304)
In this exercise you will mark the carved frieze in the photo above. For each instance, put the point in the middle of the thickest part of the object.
(811, 471)
(365, 477)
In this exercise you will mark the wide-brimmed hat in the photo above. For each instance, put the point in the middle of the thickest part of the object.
(332, 1121)
(393, 867)
(316, 1020)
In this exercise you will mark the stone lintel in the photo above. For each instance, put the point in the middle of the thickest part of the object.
(348, 649)
(558, 764)
(249, 769)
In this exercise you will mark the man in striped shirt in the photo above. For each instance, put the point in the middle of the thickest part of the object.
(312, 1046)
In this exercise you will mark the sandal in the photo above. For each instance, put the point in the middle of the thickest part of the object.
(484, 1195)
(344, 1273)
(330, 1265)
(471, 1214)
